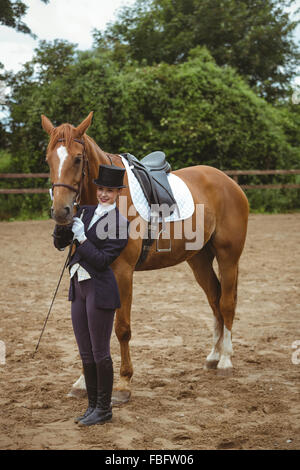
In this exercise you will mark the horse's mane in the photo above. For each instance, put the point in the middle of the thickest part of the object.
(64, 131)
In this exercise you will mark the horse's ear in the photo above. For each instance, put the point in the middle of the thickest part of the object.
(47, 124)
(82, 128)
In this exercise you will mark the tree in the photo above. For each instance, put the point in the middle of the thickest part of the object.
(195, 111)
(253, 36)
(52, 59)
(11, 13)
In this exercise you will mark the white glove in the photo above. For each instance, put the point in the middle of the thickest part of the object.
(78, 230)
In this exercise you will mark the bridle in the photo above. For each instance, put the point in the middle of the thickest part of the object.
(85, 166)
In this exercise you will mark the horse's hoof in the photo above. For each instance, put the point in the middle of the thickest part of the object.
(228, 372)
(119, 397)
(77, 393)
(211, 365)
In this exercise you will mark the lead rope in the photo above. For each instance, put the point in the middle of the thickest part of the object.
(50, 308)
(58, 284)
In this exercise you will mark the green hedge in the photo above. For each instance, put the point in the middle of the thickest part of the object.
(196, 112)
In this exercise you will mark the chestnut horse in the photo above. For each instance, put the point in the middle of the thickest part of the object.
(74, 158)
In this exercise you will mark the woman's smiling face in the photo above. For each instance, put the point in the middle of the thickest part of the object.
(107, 196)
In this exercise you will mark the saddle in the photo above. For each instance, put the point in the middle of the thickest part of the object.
(151, 172)
(152, 175)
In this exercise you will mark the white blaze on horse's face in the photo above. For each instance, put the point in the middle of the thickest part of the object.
(62, 155)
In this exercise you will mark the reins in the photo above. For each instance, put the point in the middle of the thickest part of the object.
(54, 296)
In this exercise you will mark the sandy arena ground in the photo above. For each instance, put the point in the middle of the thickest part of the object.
(175, 404)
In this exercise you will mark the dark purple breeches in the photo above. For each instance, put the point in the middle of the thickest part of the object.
(92, 326)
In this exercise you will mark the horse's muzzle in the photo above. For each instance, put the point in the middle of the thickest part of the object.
(62, 216)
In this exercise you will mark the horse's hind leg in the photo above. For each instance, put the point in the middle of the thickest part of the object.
(228, 270)
(201, 264)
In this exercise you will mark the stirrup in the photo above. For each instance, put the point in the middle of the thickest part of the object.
(158, 249)
(155, 218)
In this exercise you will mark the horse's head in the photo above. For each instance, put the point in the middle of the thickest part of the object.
(66, 159)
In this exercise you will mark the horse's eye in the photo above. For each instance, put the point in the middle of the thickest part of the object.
(77, 160)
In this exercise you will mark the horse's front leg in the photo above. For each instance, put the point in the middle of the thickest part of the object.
(122, 391)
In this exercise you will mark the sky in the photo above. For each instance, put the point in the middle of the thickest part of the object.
(72, 20)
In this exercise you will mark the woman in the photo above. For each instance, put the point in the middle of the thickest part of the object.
(100, 234)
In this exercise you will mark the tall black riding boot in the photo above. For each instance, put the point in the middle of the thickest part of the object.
(90, 375)
(103, 411)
